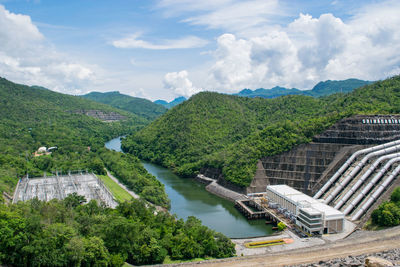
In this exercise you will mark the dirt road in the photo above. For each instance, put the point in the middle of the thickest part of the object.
(360, 243)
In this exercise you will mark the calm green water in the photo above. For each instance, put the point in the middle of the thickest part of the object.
(189, 198)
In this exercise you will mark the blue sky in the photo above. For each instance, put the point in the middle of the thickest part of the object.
(166, 48)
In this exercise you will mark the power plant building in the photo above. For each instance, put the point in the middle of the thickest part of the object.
(310, 215)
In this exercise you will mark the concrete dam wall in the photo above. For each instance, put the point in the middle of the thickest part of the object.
(307, 167)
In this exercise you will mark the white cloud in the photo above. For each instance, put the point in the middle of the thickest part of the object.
(26, 57)
(140, 93)
(308, 50)
(233, 62)
(179, 83)
(132, 41)
(243, 17)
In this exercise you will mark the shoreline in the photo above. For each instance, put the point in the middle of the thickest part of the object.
(213, 187)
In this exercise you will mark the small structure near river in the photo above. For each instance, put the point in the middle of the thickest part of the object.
(251, 209)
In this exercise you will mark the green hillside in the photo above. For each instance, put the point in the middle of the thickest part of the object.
(66, 232)
(274, 92)
(331, 87)
(32, 117)
(139, 106)
(231, 133)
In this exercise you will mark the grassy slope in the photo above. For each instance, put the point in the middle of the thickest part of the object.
(230, 133)
(118, 192)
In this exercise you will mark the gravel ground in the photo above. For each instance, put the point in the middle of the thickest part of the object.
(353, 261)
(384, 242)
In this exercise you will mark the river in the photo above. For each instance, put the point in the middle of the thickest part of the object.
(189, 198)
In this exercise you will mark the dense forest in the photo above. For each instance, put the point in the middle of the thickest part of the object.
(231, 133)
(67, 233)
(32, 117)
(138, 106)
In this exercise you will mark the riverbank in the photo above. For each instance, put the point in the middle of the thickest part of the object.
(133, 194)
(190, 198)
(213, 187)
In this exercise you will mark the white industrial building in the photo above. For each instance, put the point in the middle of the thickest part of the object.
(310, 215)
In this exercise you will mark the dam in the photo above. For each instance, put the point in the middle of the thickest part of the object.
(309, 167)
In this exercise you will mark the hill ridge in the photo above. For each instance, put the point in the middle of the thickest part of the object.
(138, 106)
(230, 133)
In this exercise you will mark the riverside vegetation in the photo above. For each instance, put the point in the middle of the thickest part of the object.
(66, 233)
(232, 133)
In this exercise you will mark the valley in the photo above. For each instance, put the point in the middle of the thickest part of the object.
(189, 198)
(185, 133)
(241, 144)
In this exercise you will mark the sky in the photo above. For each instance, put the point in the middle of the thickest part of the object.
(162, 49)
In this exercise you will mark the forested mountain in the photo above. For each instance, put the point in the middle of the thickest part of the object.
(67, 232)
(331, 87)
(270, 93)
(31, 117)
(231, 133)
(321, 89)
(139, 106)
(171, 104)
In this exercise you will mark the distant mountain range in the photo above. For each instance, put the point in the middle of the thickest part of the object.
(321, 89)
(171, 104)
(139, 106)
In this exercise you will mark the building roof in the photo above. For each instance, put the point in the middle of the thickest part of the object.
(305, 201)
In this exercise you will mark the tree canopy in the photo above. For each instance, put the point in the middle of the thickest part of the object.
(66, 233)
(31, 117)
(388, 213)
(231, 133)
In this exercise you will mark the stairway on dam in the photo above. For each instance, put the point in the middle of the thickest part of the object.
(299, 168)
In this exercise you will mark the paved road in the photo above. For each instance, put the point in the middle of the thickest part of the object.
(360, 243)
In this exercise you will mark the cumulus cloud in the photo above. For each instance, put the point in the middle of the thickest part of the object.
(132, 41)
(309, 49)
(26, 57)
(179, 84)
